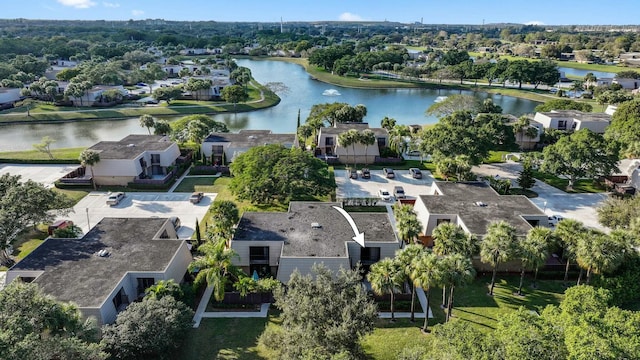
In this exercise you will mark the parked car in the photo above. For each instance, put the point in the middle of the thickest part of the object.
(176, 222)
(60, 224)
(365, 173)
(115, 198)
(398, 192)
(141, 84)
(196, 197)
(384, 195)
(388, 172)
(415, 173)
(414, 153)
(555, 219)
(353, 174)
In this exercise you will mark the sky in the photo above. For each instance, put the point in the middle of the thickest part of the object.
(550, 12)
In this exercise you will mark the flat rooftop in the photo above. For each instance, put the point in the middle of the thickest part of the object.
(131, 146)
(251, 138)
(461, 198)
(578, 115)
(339, 128)
(74, 272)
(300, 238)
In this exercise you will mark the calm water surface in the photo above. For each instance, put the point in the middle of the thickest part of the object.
(407, 106)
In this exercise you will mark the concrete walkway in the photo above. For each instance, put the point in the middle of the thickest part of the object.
(202, 313)
(422, 299)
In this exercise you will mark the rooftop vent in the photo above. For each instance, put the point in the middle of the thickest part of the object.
(480, 203)
(131, 145)
(103, 253)
(315, 225)
(252, 137)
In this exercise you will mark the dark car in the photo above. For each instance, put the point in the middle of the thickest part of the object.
(415, 173)
(388, 172)
(366, 174)
(398, 192)
(196, 197)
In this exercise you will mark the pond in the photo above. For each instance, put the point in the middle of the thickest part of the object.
(407, 106)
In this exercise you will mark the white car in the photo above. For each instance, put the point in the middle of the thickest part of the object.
(115, 198)
(384, 194)
(555, 219)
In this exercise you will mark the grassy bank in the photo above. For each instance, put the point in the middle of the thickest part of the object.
(67, 154)
(48, 113)
(566, 64)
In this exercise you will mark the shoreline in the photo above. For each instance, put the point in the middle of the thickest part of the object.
(267, 100)
(536, 95)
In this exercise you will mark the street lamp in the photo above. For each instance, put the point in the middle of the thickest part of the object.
(88, 223)
(544, 203)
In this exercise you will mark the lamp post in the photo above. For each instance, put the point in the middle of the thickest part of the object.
(88, 223)
(545, 207)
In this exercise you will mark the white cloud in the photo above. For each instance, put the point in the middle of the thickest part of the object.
(347, 16)
(111, 5)
(137, 12)
(534, 22)
(78, 4)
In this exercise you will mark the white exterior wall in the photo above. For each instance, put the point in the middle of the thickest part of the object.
(242, 248)
(179, 264)
(14, 274)
(628, 84)
(432, 221)
(546, 121)
(115, 167)
(422, 213)
(304, 264)
(595, 126)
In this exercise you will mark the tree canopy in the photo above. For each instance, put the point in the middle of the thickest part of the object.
(563, 104)
(625, 128)
(272, 172)
(583, 154)
(322, 316)
(35, 326)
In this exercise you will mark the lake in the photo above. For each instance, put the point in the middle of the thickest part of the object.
(581, 73)
(407, 106)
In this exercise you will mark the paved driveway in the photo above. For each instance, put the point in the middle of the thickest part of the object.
(142, 204)
(581, 207)
(45, 174)
(354, 188)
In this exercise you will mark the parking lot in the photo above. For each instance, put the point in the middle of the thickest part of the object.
(142, 204)
(366, 188)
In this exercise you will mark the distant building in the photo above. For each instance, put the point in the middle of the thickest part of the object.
(109, 267)
(8, 96)
(279, 243)
(223, 148)
(573, 120)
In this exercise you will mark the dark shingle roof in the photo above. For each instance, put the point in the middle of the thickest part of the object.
(250, 138)
(461, 199)
(131, 146)
(342, 127)
(301, 239)
(74, 272)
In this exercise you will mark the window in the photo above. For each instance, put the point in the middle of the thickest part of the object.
(259, 254)
(328, 141)
(145, 283)
(382, 142)
(120, 299)
(155, 158)
(369, 255)
(440, 221)
(217, 149)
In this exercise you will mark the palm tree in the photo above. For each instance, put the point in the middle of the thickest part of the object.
(397, 138)
(534, 251)
(386, 277)
(570, 232)
(347, 139)
(147, 121)
(497, 246)
(407, 223)
(164, 288)
(225, 216)
(215, 266)
(457, 271)
(406, 257)
(367, 138)
(89, 158)
(450, 238)
(598, 253)
(427, 274)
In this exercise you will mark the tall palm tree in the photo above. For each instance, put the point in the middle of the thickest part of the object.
(407, 223)
(347, 139)
(497, 246)
(427, 274)
(215, 267)
(397, 137)
(386, 277)
(457, 271)
(225, 216)
(533, 251)
(406, 258)
(90, 158)
(367, 138)
(147, 121)
(570, 232)
(164, 288)
(598, 253)
(450, 238)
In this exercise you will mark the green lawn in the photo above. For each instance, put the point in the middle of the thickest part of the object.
(75, 195)
(191, 184)
(581, 186)
(27, 241)
(238, 338)
(58, 154)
